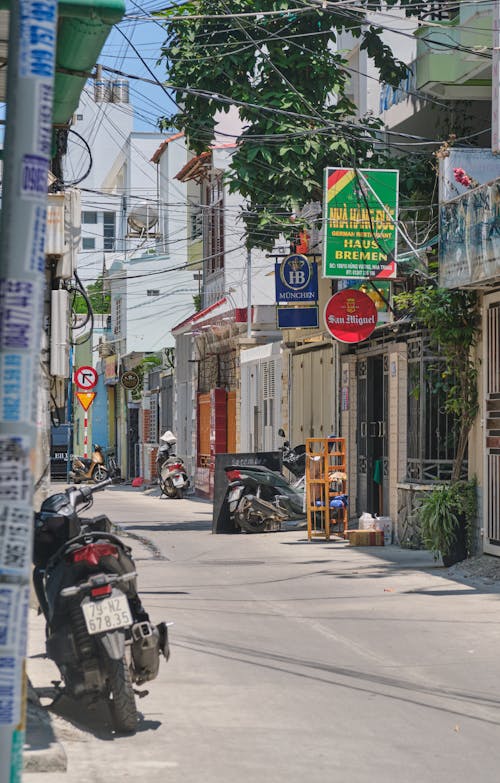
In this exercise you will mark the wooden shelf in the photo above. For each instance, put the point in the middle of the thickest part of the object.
(326, 479)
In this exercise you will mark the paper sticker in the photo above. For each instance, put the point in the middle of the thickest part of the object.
(15, 473)
(8, 690)
(34, 177)
(37, 39)
(16, 528)
(17, 322)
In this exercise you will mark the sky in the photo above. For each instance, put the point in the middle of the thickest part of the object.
(145, 36)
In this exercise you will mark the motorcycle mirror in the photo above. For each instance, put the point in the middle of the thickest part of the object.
(281, 433)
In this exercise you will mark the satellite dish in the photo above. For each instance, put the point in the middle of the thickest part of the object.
(143, 218)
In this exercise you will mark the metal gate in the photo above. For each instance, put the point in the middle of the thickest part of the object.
(492, 427)
(372, 430)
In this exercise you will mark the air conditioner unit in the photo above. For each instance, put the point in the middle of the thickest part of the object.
(59, 333)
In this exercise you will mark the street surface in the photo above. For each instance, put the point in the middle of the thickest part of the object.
(296, 661)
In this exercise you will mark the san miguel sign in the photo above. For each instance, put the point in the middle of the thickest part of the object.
(350, 316)
(360, 214)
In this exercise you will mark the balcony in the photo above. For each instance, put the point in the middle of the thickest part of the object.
(454, 55)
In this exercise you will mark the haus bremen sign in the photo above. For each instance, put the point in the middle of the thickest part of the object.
(359, 219)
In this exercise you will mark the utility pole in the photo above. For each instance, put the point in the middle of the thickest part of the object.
(27, 153)
(249, 293)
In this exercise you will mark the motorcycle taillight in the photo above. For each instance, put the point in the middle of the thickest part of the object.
(176, 466)
(233, 475)
(104, 590)
(92, 553)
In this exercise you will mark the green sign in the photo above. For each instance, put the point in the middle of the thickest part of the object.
(360, 210)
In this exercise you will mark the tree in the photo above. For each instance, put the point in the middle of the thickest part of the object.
(100, 302)
(290, 85)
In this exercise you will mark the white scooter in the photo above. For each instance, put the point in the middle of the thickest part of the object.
(171, 470)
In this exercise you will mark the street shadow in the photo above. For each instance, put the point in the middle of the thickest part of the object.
(93, 717)
(156, 527)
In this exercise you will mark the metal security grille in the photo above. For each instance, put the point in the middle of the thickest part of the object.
(432, 433)
(492, 362)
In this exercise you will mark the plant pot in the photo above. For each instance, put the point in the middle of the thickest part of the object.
(458, 550)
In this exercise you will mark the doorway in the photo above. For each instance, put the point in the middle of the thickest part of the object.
(372, 432)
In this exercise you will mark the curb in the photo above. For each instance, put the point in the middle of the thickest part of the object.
(42, 750)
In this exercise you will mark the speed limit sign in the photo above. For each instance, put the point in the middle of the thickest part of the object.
(86, 378)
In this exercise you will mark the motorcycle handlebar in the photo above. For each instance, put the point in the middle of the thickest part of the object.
(85, 492)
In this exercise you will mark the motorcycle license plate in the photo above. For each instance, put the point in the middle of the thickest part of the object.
(178, 481)
(107, 614)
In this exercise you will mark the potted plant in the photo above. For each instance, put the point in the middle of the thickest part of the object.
(447, 515)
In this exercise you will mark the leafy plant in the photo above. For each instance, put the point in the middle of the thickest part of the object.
(452, 318)
(281, 69)
(448, 513)
(100, 302)
(144, 366)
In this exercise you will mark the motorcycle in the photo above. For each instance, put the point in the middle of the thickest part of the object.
(97, 631)
(294, 459)
(261, 500)
(171, 469)
(93, 469)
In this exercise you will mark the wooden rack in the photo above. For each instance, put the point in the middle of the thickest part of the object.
(326, 479)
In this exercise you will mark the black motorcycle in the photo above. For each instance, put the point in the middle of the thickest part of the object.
(261, 500)
(97, 631)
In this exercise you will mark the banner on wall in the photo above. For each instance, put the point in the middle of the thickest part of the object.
(359, 219)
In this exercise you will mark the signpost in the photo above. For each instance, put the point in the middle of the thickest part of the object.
(85, 399)
(360, 223)
(86, 378)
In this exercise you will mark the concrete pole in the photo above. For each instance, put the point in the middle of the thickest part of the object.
(249, 293)
(27, 153)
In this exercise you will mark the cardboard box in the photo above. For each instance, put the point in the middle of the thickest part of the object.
(366, 537)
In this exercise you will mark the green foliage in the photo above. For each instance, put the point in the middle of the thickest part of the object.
(281, 72)
(452, 318)
(142, 369)
(443, 510)
(100, 302)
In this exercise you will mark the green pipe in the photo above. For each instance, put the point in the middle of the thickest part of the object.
(83, 28)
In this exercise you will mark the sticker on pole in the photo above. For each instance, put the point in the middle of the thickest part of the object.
(86, 399)
(350, 316)
(86, 378)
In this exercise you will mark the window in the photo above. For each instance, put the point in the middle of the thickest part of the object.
(432, 433)
(215, 224)
(89, 217)
(196, 221)
(88, 243)
(79, 117)
(109, 230)
(153, 292)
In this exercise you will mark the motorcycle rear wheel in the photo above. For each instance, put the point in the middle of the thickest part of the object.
(169, 489)
(250, 523)
(99, 474)
(122, 699)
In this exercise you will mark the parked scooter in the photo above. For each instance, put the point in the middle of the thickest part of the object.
(171, 469)
(97, 631)
(294, 459)
(93, 469)
(261, 500)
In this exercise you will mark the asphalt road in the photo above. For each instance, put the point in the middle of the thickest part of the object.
(294, 661)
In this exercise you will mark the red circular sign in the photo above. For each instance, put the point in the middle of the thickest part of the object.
(350, 316)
